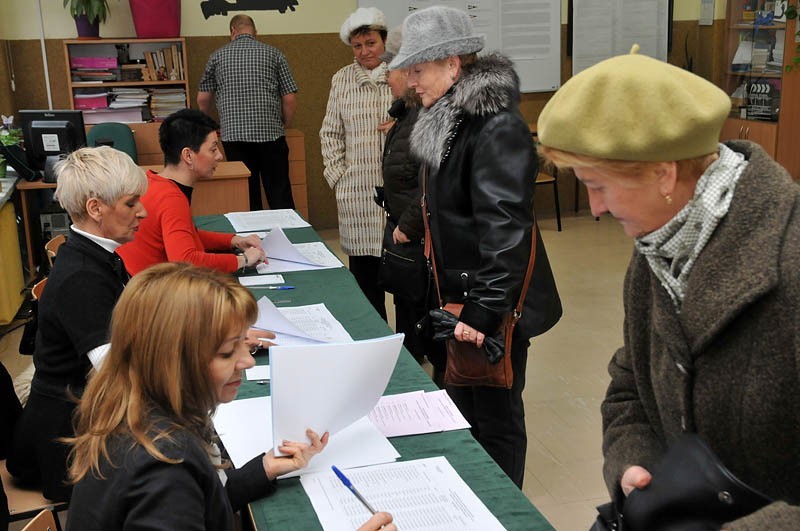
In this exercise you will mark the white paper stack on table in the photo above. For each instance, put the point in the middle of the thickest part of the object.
(284, 255)
(325, 387)
(425, 494)
(265, 220)
(300, 325)
(417, 412)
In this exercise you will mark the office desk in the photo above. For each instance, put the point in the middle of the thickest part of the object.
(289, 507)
(225, 192)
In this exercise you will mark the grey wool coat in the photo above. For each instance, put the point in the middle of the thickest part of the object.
(728, 366)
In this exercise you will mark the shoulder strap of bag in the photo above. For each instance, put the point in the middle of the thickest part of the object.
(429, 255)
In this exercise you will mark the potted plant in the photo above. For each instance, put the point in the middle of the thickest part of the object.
(88, 15)
(8, 137)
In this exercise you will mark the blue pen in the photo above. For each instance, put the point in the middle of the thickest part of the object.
(279, 287)
(353, 489)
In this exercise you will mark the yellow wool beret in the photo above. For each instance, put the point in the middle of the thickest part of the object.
(633, 107)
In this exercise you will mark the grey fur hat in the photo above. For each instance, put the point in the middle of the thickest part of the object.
(394, 39)
(435, 33)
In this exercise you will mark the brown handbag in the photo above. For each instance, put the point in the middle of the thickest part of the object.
(468, 365)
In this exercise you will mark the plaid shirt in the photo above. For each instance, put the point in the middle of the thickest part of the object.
(248, 78)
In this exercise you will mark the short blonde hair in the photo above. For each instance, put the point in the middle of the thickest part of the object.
(102, 172)
(167, 327)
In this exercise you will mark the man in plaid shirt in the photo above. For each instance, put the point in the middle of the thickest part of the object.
(255, 97)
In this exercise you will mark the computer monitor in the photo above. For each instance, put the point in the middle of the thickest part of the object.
(49, 134)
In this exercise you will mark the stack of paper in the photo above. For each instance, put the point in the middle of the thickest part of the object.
(417, 412)
(285, 256)
(327, 388)
(300, 325)
(265, 220)
(426, 494)
(164, 102)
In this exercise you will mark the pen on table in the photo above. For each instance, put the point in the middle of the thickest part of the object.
(352, 489)
(278, 287)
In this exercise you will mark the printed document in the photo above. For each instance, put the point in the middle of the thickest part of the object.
(261, 280)
(245, 427)
(261, 220)
(285, 256)
(417, 412)
(328, 386)
(300, 325)
(425, 494)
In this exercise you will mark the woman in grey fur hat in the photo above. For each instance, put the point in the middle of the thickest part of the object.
(481, 166)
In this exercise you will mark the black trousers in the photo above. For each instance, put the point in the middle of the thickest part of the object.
(365, 269)
(37, 457)
(497, 415)
(268, 163)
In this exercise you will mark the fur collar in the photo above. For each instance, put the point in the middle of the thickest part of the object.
(490, 86)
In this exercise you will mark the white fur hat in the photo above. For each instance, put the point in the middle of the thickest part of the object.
(363, 16)
(435, 33)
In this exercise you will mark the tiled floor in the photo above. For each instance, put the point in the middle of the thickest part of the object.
(566, 377)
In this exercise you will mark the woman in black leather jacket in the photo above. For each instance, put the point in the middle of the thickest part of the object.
(482, 166)
(401, 199)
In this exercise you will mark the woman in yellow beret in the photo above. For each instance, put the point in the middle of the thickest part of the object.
(712, 292)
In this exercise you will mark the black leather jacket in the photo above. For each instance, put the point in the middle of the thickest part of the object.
(482, 166)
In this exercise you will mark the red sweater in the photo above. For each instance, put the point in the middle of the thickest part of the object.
(168, 234)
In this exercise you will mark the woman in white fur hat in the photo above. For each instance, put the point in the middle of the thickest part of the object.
(352, 146)
(479, 194)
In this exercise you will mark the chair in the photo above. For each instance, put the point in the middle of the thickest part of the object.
(44, 521)
(117, 135)
(24, 503)
(51, 248)
(548, 174)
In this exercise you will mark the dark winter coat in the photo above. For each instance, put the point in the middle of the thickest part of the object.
(728, 366)
(401, 173)
(480, 198)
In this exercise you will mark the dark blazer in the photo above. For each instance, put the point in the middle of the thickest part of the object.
(401, 173)
(728, 365)
(141, 492)
(480, 199)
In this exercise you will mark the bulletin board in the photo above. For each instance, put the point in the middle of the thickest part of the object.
(527, 31)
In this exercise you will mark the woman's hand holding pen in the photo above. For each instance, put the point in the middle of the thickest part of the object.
(379, 521)
(297, 455)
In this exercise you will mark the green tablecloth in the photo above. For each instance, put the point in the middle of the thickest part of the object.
(289, 507)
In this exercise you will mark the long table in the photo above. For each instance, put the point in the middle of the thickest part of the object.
(289, 507)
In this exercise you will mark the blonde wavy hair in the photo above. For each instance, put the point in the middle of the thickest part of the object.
(167, 327)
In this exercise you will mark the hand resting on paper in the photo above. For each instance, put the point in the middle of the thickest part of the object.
(255, 339)
(379, 521)
(635, 477)
(297, 455)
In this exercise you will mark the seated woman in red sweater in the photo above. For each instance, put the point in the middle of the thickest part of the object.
(189, 141)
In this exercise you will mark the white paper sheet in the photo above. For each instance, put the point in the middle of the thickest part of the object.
(300, 325)
(261, 280)
(260, 234)
(245, 427)
(425, 494)
(416, 412)
(329, 386)
(258, 373)
(284, 256)
(265, 220)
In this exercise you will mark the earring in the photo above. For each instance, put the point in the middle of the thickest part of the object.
(668, 199)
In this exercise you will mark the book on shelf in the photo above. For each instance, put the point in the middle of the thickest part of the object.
(99, 116)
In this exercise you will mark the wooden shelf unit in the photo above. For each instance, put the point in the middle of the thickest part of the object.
(779, 132)
(136, 50)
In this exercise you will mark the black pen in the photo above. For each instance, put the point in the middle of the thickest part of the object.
(352, 489)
